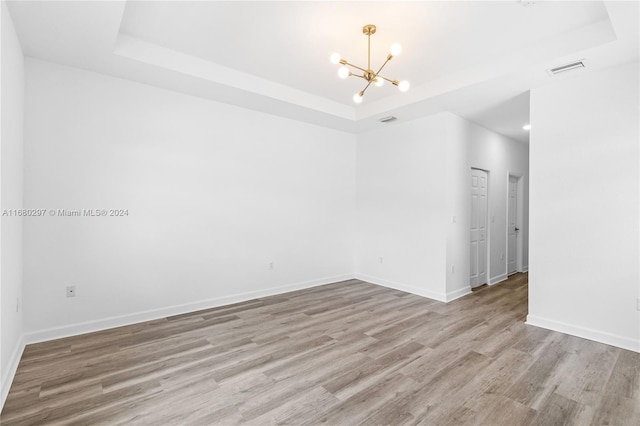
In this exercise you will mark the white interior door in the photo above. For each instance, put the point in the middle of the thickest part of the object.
(478, 227)
(512, 226)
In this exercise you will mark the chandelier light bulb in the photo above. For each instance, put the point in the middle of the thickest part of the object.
(396, 49)
(403, 86)
(357, 98)
(335, 58)
(343, 72)
(378, 82)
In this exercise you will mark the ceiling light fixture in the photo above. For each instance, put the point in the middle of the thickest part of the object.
(368, 74)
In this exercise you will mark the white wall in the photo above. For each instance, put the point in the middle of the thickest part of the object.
(11, 149)
(401, 197)
(584, 206)
(413, 178)
(458, 207)
(215, 193)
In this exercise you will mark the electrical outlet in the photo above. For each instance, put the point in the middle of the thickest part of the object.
(271, 266)
(501, 256)
(71, 291)
(453, 269)
(380, 259)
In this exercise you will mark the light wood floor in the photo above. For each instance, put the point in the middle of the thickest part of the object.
(342, 354)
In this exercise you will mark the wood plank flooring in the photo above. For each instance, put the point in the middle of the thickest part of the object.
(347, 353)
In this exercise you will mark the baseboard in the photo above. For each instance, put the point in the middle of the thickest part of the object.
(525, 269)
(498, 279)
(403, 287)
(122, 320)
(8, 375)
(457, 294)
(585, 333)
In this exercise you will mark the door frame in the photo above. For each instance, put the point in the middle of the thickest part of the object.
(519, 221)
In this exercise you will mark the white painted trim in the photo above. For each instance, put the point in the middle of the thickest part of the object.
(525, 269)
(403, 287)
(119, 321)
(585, 333)
(457, 294)
(7, 380)
(498, 279)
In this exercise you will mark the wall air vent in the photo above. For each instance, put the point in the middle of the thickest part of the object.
(567, 67)
(388, 119)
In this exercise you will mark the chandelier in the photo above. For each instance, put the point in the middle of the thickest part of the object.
(368, 74)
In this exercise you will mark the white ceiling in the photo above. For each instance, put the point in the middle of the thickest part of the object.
(475, 59)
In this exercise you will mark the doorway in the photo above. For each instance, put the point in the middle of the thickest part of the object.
(512, 226)
(516, 220)
(479, 203)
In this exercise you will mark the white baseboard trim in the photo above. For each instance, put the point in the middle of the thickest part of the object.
(457, 294)
(7, 379)
(585, 333)
(525, 269)
(498, 279)
(403, 287)
(128, 319)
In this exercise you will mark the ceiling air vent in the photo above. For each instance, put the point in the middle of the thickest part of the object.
(388, 119)
(567, 67)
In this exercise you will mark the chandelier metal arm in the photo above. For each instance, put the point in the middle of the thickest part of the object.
(344, 62)
(365, 88)
(389, 57)
(377, 74)
(388, 79)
